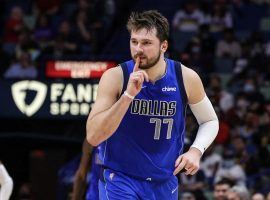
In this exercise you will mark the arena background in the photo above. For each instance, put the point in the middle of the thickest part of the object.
(65, 45)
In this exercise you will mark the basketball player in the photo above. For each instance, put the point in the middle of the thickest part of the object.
(88, 162)
(139, 117)
(6, 183)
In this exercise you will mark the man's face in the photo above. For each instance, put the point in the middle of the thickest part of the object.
(232, 196)
(257, 196)
(220, 192)
(146, 45)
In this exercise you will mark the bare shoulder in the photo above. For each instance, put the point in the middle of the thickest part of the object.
(193, 85)
(113, 73)
(114, 70)
(109, 89)
(189, 74)
(112, 79)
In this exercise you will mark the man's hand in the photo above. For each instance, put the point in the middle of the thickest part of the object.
(136, 79)
(189, 162)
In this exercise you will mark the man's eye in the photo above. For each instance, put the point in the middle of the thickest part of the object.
(147, 43)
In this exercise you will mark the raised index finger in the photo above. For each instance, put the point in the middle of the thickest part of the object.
(137, 64)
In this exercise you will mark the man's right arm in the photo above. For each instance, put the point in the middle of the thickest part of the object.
(109, 109)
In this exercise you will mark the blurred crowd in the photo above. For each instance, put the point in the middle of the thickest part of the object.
(38, 30)
(236, 67)
(226, 41)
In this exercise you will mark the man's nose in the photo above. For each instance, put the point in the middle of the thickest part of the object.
(139, 48)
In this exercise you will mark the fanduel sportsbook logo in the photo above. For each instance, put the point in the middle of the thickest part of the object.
(19, 92)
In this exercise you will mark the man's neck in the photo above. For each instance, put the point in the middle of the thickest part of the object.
(157, 71)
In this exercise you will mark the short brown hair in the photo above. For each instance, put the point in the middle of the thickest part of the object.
(149, 20)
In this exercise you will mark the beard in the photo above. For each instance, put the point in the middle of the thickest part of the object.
(148, 63)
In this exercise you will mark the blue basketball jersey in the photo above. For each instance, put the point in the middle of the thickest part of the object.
(151, 134)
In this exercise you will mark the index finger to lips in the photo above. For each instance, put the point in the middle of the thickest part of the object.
(137, 64)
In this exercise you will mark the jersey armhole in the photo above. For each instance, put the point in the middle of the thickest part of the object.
(125, 77)
(179, 76)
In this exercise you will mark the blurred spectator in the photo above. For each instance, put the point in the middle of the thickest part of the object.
(22, 69)
(84, 35)
(240, 149)
(4, 60)
(251, 90)
(256, 43)
(223, 102)
(210, 164)
(257, 196)
(83, 5)
(223, 98)
(65, 41)
(221, 188)
(263, 150)
(230, 169)
(27, 44)
(47, 7)
(207, 48)
(194, 50)
(110, 12)
(238, 193)
(25, 192)
(101, 15)
(268, 196)
(94, 21)
(223, 132)
(207, 40)
(267, 49)
(189, 19)
(265, 115)
(245, 155)
(43, 32)
(240, 64)
(187, 196)
(235, 116)
(195, 184)
(13, 26)
(228, 46)
(220, 18)
(250, 126)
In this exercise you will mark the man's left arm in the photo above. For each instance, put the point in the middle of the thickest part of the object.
(207, 119)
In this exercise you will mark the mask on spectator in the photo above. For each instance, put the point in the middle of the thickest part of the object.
(242, 103)
(249, 88)
(228, 163)
(195, 49)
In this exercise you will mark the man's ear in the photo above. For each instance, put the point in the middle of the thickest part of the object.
(164, 46)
